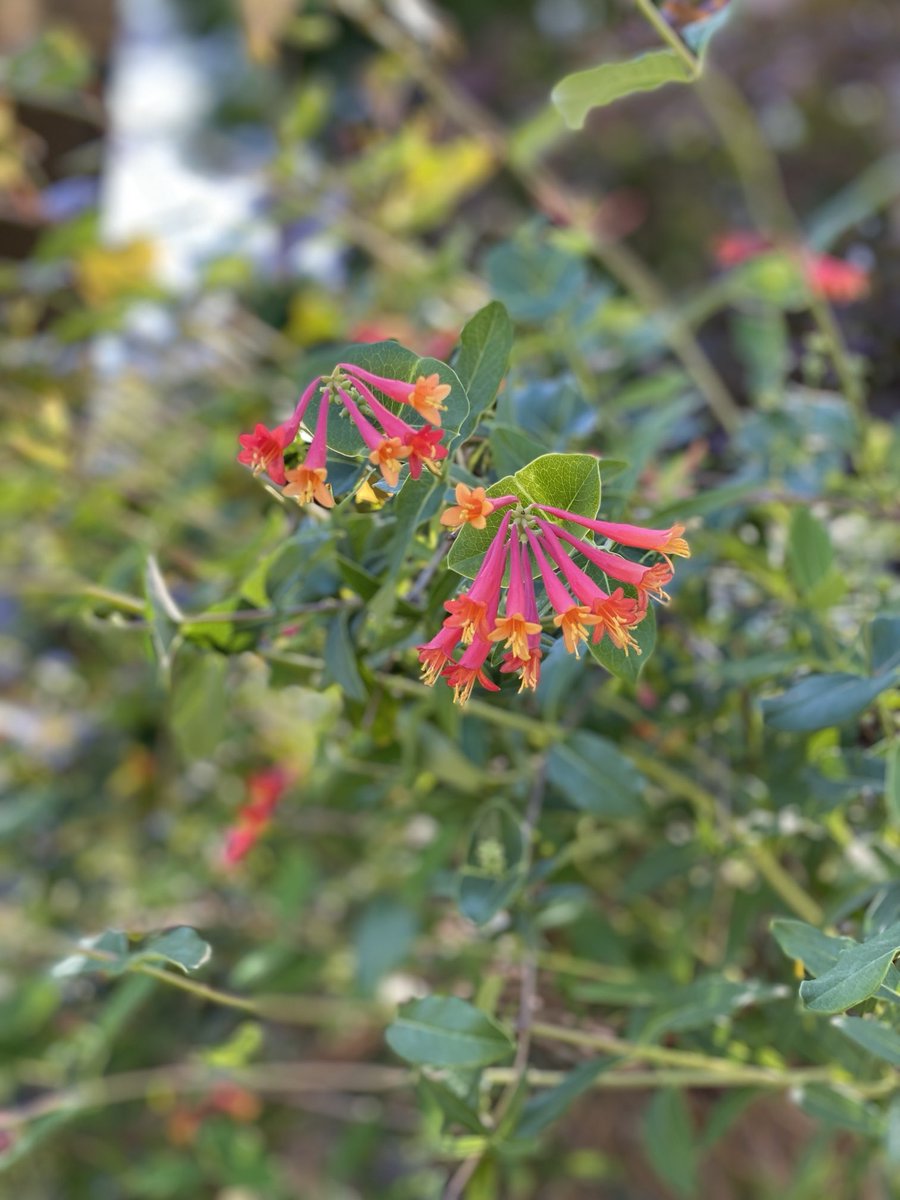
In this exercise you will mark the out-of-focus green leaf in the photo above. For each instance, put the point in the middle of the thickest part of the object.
(484, 347)
(197, 702)
(873, 1036)
(669, 1141)
(453, 1107)
(444, 1031)
(577, 94)
(593, 775)
(340, 659)
(383, 937)
(495, 865)
(885, 642)
(542, 1109)
(819, 701)
(533, 279)
(841, 1110)
(810, 553)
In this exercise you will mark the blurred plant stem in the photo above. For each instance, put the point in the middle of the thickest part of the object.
(551, 193)
(333, 1077)
(760, 176)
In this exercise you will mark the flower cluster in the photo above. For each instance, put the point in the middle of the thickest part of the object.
(530, 543)
(831, 278)
(389, 439)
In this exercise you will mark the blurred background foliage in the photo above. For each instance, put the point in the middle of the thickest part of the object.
(199, 200)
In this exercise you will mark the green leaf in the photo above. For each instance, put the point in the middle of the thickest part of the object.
(804, 943)
(820, 701)
(593, 775)
(485, 344)
(892, 785)
(512, 449)
(496, 863)
(578, 93)
(544, 1108)
(873, 1036)
(668, 1135)
(534, 280)
(704, 1003)
(810, 552)
(569, 481)
(382, 938)
(340, 659)
(163, 616)
(392, 361)
(182, 946)
(884, 636)
(454, 1107)
(444, 1031)
(628, 666)
(857, 974)
(839, 1109)
(197, 702)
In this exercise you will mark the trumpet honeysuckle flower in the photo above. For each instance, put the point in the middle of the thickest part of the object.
(470, 612)
(306, 482)
(386, 452)
(573, 617)
(527, 543)
(423, 446)
(663, 541)
(426, 395)
(390, 442)
(652, 579)
(472, 507)
(515, 627)
(263, 450)
(425, 450)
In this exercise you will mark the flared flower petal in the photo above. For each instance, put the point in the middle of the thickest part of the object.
(263, 450)
(425, 450)
(306, 484)
(472, 507)
(388, 457)
(437, 654)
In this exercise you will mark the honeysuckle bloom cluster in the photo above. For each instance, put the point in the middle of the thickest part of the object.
(501, 610)
(829, 277)
(390, 440)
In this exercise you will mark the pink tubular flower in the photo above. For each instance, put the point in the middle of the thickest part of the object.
(423, 446)
(263, 450)
(436, 654)
(646, 579)
(664, 541)
(515, 627)
(571, 617)
(386, 452)
(470, 611)
(426, 395)
(307, 482)
(612, 614)
(463, 676)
